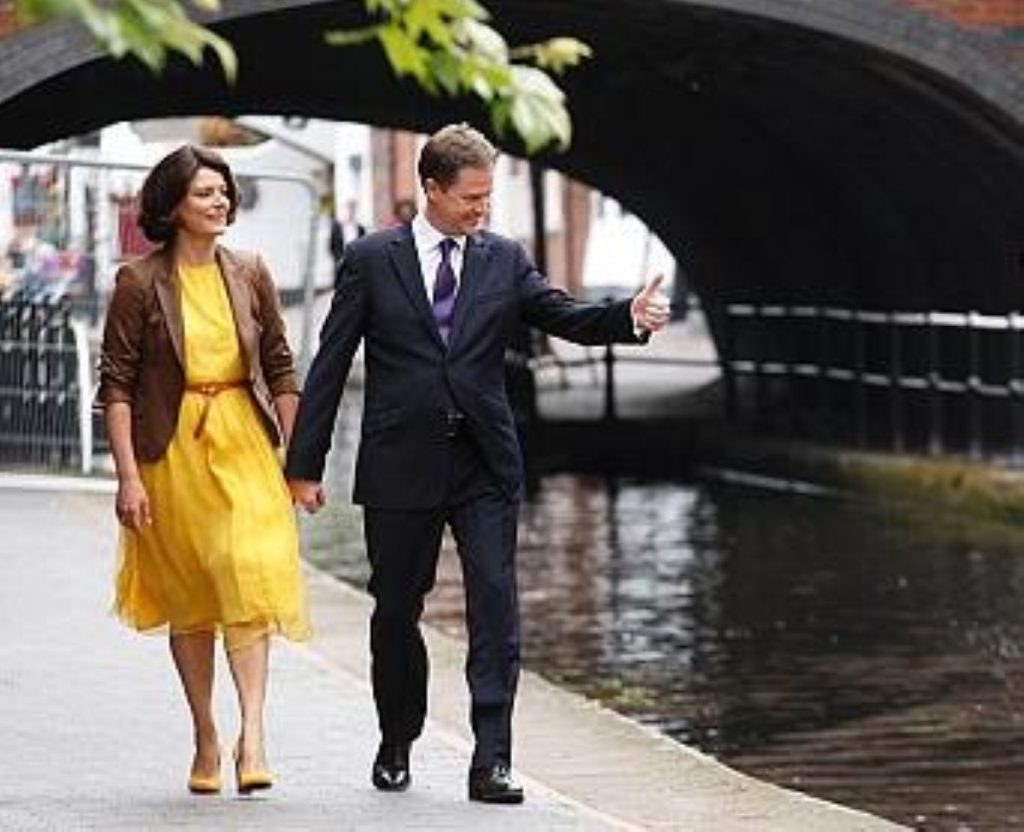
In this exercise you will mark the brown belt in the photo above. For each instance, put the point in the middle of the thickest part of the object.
(208, 390)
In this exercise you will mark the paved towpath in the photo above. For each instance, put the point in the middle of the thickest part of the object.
(95, 734)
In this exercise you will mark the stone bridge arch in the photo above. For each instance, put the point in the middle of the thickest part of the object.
(857, 152)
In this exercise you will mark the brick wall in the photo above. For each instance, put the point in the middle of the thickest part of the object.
(997, 14)
(8, 19)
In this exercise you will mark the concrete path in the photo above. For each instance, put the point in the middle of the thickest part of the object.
(95, 734)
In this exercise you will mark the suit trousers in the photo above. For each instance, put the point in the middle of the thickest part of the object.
(403, 548)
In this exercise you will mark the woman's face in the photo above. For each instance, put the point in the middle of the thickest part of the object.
(204, 210)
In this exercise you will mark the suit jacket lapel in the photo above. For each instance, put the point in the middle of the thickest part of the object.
(474, 267)
(407, 263)
(169, 298)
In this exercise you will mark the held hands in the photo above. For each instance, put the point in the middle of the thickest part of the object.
(650, 307)
(132, 505)
(310, 495)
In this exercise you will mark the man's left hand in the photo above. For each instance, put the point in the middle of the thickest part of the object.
(650, 308)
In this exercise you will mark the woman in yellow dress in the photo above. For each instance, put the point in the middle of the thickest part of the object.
(198, 387)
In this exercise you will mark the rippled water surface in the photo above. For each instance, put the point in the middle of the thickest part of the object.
(864, 653)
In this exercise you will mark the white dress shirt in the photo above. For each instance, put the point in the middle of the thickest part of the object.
(428, 248)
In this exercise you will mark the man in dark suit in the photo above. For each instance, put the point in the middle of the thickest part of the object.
(436, 302)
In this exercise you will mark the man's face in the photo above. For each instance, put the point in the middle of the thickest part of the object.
(463, 206)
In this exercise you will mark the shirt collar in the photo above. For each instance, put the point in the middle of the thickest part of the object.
(429, 238)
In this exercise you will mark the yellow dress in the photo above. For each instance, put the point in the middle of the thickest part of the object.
(222, 553)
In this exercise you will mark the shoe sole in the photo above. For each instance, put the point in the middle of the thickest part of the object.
(401, 787)
(504, 800)
(255, 786)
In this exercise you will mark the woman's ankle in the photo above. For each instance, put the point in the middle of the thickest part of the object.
(250, 747)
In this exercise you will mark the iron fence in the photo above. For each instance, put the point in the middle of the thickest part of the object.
(933, 381)
(44, 408)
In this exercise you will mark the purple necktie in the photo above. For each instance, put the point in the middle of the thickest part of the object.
(444, 290)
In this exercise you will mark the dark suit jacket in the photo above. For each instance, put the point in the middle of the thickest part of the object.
(143, 357)
(412, 380)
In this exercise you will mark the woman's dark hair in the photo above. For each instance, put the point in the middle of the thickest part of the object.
(167, 185)
(451, 149)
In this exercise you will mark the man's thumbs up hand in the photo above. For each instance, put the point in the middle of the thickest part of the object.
(650, 308)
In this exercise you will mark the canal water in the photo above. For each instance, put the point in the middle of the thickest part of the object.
(865, 653)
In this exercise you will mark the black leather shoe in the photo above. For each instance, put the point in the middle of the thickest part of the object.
(494, 784)
(391, 768)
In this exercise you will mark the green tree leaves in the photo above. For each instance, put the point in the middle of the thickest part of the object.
(145, 29)
(446, 46)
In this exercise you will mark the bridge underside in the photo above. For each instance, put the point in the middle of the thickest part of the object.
(780, 164)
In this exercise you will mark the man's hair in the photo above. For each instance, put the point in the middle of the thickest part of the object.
(452, 148)
(167, 185)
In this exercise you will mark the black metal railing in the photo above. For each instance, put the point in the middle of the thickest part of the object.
(923, 381)
(604, 363)
(931, 381)
(40, 385)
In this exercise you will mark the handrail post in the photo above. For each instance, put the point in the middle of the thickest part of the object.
(935, 443)
(760, 382)
(825, 418)
(789, 345)
(725, 360)
(897, 440)
(974, 416)
(84, 383)
(860, 393)
(609, 383)
(1014, 388)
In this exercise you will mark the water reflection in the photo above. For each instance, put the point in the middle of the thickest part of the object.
(862, 653)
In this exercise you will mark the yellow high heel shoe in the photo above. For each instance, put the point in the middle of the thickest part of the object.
(253, 780)
(205, 783)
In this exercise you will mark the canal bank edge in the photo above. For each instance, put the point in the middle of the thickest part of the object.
(611, 768)
(975, 489)
(984, 490)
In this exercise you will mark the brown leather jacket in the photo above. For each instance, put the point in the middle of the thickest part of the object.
(142, 361)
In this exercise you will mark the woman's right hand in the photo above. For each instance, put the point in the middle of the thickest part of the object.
(132, 504)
